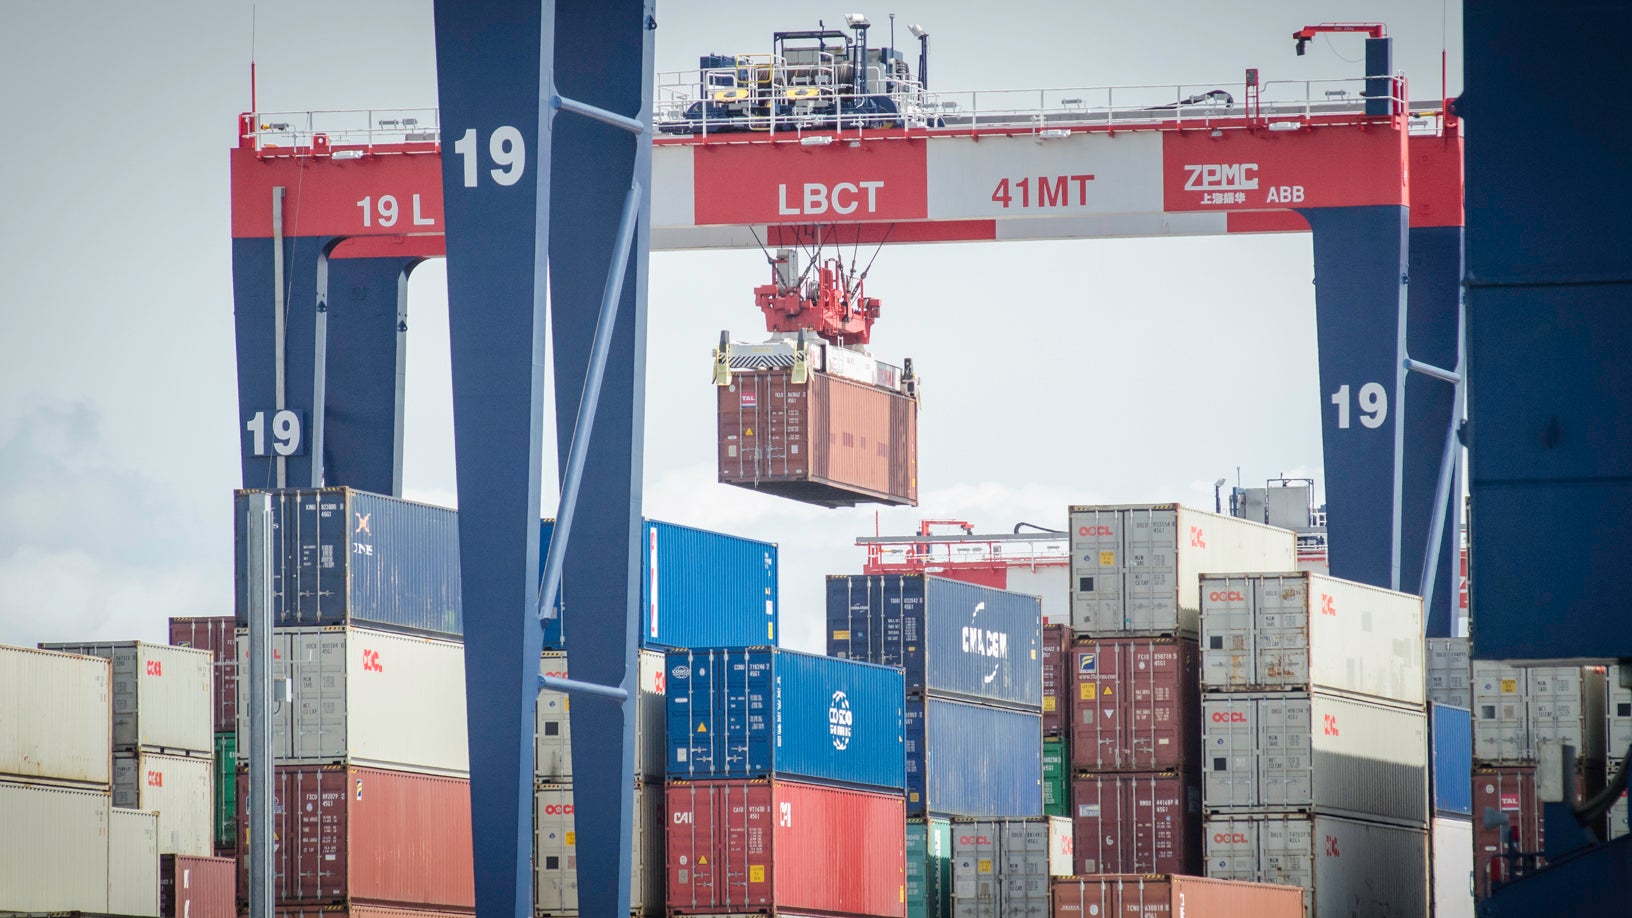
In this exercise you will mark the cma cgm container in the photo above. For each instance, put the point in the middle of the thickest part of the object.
(1136, 823)
(953, 639)
(179, 789)
(1136, 896)
(1300, 631)
(845, 434)
(1056, 680)
(1451, 756)
(929, 867)
(697, 589)
(133, 863)
(343, 557)
(781, 847)
(1001, 868)
(553, 759)
(972, 760)
(1134, 705)
(762, 712)
(56, 713)
(367, 834)
(1314, 751)
(197, 887)
(1135, 568)
(1346, 867)
(161, 695)
(555, 851)
(53, 849)
(1450, 852)
(218, 635)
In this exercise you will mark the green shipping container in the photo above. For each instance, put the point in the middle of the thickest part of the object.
(226, 791)
(1056, 787)
(929, 868)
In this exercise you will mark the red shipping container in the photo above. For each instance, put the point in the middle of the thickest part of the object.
(1121, 895)
(1137, 823)
(1056, 701)
(366, 834)
(1510, 790)
(1135, 704)
(775, 846)
(216, 635)
(197, 887)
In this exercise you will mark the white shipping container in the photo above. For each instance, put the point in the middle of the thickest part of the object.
(1280, 751)
(1001, 867)
(1135, 569)
(1618, 809)
(554, 727)
(133, 863)
(1450, 851)
(56, 717)
(1346, 867)
(282, 711)
(179, 789)
(1619, 715)
(1519, 710)
(555, 852)
(1307, 631)
(163, 696)
(53, 849)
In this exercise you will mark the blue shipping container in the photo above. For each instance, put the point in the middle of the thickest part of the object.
(342, 556)
(763, 712)
(698, 589)
(952, 638)
(973, 760)
(1452, 754)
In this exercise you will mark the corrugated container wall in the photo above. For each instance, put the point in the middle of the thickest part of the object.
(197, 887)
(1518, 711)
(784, 848)
(1135, 568)
(1056, 777)
(954, 639)
(226, 791)
(929, 867)
(553, 758)
(1619, 715)
(53, 849)
(218, 635)
(359, 910)
(161, 695)
(1001, 868)
(341, 556)
(972, 760)
(1138, 896)
(761, 712)
(1136, 823)
(1450, 673)
(1450, 851)
(180, 789)
(1510, 792)
(1134, 704)
(555, 851)
(56, 717)
(1451, 730)
(1056, 680)
(1346, 867)
(133, 863)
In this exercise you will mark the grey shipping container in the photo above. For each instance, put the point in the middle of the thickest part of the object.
(553, 761)
(1450, 852)
(555, 852)
(56, 715)
(133, 862)
(162, 695)
(1518, 711)
(179, 789)
(973, 760)
(53, 849)
(1450, 672)
(1001, 868)
(1619, 717)
(1346, 867)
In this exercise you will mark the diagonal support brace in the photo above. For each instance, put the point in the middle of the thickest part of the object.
(575, 687)
(632, 125)
(1428, 369)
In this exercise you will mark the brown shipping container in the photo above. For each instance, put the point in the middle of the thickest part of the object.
(1135, 704)
(829, 441)
(352, 833)
(216, 635)
(1511, 791)
(1056, 700)
(1137, 823)
(197, 887)
(1137, 896)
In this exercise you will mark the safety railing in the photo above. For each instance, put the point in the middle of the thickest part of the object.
(347, 128)
(914, 553)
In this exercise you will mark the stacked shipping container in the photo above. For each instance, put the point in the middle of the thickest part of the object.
(218, 636)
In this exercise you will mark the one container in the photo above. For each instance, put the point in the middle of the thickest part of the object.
(555, 851)
(1346, 867)
(133, 863)
(1302, 631)
(54, 849)
(1280, 751)
(553, 761)
(1450, 852)
(226, 792)
(1056, 680)
(829, 441)
(1510, 792)
(1136, 823)
(161, 695)
(929, 867)
(1135, 567)
(365, 834)
(1134, 704)
(1056, 777)
(219, 637)
(1138, 895)
(1619, 719)
(972, 760)
(179, 789)
(760, 712)
(197, 887)
(1001, 868)
(1450, 672)
(55, 717)
(1451, 732)
(784, 848)
(954, 639)
(341, 556)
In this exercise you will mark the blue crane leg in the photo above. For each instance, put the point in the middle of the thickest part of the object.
(362, 420)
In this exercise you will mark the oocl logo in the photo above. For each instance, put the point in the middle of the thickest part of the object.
(1094, 531)
(974, 840)
(840, 720)
(371, 661)
(155, 667)
(1229, 838)
(1226, 596)
(558, 809)
(1229, 717)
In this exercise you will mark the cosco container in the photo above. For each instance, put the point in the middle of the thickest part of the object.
(161, 695)
(1056, 680)
(760, 712)
(1134, 704)
(179, 789)
(1280, 751)
(555, 851)
(1056, 777)
(1001, 868)
(1136, 823)
(343, 557)
(197, 887)
(954, 639)
(55, 717)
(1450, 854)
(1508, 815)
(553, 761)
(350, 833)
(972, 760)
(1303, 631)
(368, 697)
(226, 791)
(1138, 896)
(1450, 672)
(1135, 569)
(218, 635)
(53, 849)
(1346, 867)
(133, 863)
(1517, 711)
(781, 847)
(1451, 731)
(929, 867)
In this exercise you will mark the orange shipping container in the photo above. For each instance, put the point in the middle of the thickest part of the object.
(1138, 896)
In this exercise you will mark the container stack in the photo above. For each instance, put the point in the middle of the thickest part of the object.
(1450, 837)
(1315, 739)
(218, 635)
(1057, 686)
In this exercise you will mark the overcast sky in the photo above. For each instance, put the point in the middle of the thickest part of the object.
(1125, 370)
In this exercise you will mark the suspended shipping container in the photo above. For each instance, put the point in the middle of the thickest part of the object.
(53, 849)
(972, 760)
(197, 887)
(1450, 851)
(953, 639)
(56, 715)
(226, 792)
(555, 851)
(1134, 704)
(161, 695)
(1056, 680)
(218, 635)
(1136, 823)
(1001, 868)
(133, 863)
(1346, 867)
(1056, 777)
(929, 867)
(1138, 896)
(180, 789)
(553, 760)
(1451, 730)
